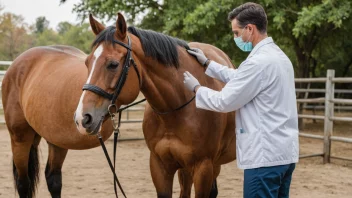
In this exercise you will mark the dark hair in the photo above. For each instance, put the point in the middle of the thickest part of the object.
(250, 13)
(159, 46)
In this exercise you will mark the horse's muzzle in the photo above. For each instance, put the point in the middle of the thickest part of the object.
(89, 123)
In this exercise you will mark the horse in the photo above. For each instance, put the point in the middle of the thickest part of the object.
(125, 61)
(42, 91)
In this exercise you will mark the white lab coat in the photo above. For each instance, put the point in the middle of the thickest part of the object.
(262, 92)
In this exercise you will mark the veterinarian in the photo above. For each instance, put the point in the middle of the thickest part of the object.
(262, 92)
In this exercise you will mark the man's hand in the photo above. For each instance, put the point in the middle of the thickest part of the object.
(198, 53)
(190, 81)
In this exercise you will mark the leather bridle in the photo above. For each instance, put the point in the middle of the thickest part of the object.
(122, 79)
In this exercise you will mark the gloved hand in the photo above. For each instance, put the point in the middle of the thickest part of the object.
(198, 53)
(190, 81)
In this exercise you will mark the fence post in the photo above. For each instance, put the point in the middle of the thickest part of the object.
(329, 112)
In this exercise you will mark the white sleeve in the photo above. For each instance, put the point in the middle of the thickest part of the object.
(240, 90)
(220, 72)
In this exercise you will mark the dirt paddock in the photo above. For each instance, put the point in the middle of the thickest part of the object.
(86, 173)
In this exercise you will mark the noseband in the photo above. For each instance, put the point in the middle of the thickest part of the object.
(122, 79)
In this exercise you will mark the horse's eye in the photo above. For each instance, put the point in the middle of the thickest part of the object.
(113, 65)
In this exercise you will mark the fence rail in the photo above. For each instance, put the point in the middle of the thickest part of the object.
(323, 90)
(6, 63)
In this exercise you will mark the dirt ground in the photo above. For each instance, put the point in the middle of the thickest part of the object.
(86, 173)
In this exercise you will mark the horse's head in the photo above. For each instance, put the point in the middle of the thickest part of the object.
(108, 83)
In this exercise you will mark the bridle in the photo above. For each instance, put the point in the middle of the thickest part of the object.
(112, 109)
(122, 79)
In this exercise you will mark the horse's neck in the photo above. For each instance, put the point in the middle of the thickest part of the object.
(163, 86)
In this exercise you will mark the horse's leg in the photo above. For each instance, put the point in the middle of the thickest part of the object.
(185, 180)
(53, 169)
(162, 177)
(203, 179)
(214, 187)
(24, 143)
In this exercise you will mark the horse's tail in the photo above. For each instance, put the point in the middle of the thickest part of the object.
(33, 171)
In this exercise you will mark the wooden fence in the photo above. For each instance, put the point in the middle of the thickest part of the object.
(329, 100)
(329, 106)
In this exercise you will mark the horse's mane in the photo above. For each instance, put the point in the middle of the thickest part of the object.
(159, 46)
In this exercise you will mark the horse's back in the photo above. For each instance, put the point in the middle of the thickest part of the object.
(28, 60)
(69, 50)
(35, 62)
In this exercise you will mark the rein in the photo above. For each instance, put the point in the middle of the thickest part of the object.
(113, 97)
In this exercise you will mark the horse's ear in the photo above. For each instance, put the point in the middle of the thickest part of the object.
(95, 25)
(121, 26)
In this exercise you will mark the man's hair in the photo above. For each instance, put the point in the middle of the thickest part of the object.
(250, 13)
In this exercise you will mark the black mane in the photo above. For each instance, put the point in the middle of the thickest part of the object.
(159, 46)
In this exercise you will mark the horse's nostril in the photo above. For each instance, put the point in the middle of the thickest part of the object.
(87, 120)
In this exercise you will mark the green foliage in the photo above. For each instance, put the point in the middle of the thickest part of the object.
(329, 12)
(48, 37)
(41, 24)
(13, 36)
(16, 36)
(109, 8)
(63, 27)
(79, 36)
(314, 34)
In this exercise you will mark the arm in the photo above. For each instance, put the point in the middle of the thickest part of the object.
(214, 69)
(220, 72)
(240, 90)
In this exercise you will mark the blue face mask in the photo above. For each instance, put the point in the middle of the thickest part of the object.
(244, 46)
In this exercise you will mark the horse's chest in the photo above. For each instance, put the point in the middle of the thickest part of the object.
(170, 149)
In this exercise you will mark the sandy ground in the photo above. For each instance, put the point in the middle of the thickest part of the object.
(86, 173)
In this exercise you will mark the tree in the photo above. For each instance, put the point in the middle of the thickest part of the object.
(16, 36)
(63, 27)
(80, 36)
(41, 24)
(300, 28)
(48, 37)
(109, 8)
(13, 36)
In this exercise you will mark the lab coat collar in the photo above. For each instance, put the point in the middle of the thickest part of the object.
(263, 42)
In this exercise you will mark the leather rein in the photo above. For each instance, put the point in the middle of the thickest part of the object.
(112, 109)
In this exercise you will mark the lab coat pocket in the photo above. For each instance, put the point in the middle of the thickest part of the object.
(244, 145)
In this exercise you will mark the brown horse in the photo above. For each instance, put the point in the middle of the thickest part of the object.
(194, 141)
(41, 91)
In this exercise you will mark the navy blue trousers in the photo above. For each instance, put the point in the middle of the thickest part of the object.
(268, 182)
